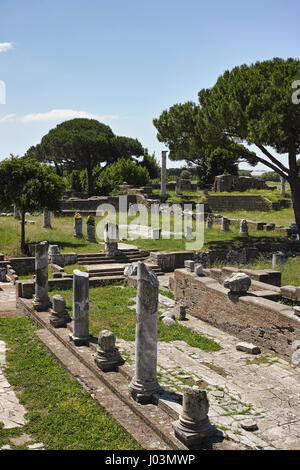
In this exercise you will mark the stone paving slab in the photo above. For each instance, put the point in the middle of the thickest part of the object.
(264, 388)
(7, 299)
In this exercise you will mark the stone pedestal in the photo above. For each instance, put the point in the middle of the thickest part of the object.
(108, 357)
(244, 228)
(178, 187)
(90, 230)
(278, 259)
(144, 384)
(193, 425)
(59, 316)
(41, 301)
(47, 218)
(224, 224)
(77, 226)
(2, 274)
(111, 238)
(163, 184)
(17, 213)
(80, 334)
(209, 223)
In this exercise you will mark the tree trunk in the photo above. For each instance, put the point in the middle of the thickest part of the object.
(90, 181)
(295, 190)
(23, 232)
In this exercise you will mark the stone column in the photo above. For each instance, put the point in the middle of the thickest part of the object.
(209, 223)
(278, 259)
(41, 301)
(16, 213)
(77, 225)
(244, 228)
(224, 224)
(144, 383)
(111, 238)
(163, 172)
(47, 218)
(283, 183)
(80, 334)
(90, 230)
(193, 425)
(108, 357)
(178, 186)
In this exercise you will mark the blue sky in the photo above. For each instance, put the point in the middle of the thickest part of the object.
(125, 61)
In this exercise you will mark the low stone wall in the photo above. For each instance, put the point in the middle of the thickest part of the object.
(91, 204)
(234, 202)
(249, 317)
(266, 276)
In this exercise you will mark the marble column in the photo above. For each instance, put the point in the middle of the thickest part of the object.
(80, 335)
(163, 172)
(47, 218)
(41, 301)
(144, 383)
(17, 213)
(282, 188)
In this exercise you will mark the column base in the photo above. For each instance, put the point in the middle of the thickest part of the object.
(144, 393)
(80, 341)
(41, 305)
(59, 321)
(194, 434)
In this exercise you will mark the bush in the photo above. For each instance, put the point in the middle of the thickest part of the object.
(120, 171)
(270, 176)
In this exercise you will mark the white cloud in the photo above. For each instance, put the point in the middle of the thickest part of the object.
(63, 115)
(4, 46)
(7, 118)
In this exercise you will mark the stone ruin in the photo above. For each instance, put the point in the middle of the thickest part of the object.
(229, 183)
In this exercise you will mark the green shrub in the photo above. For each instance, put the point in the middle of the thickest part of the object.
(120, 171)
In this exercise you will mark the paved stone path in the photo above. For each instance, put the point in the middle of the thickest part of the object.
(7, 299)
(242, 388)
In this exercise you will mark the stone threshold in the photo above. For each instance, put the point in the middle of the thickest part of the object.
(153, 418)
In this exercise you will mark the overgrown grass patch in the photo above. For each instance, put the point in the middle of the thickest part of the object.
(61, 414)
(109, 309)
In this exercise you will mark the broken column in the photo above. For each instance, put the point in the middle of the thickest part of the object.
(77, 225)
(278, 259)
(238, 283)
(144, 383)
(16, 213)
(193, 425)
(163, 173)
(90, 230)
(224, 224)
(244, 228)
(108, 357)
(111, 238)
(282, 184)
(178, 186)
(80, 335)
(59, 316)
(47, 218)
(209, 223)
(41, 301)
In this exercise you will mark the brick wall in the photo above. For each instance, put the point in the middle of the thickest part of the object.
(266, 323)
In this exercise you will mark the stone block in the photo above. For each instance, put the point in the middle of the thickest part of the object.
(248, 348)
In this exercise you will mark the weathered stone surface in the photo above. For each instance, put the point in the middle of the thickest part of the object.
(179, 312)
(144, 383)
(189, 265)
(238, 283)
(59, 316)
(168, 321)
(130, 269)
(244, 227)
(199, 269)
(163, 173)
(248, 348)
(80, 334)
(41, 299)
(224, 224)
(47, 218)
(249, 425)
(108, 357)
(90, 230)
(78, 226)
(193, 425)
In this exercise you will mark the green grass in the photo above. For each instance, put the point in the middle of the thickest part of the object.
(61, 414)
(283, 217)
(109, 309)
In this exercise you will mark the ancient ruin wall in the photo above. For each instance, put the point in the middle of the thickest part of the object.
(266, 323)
